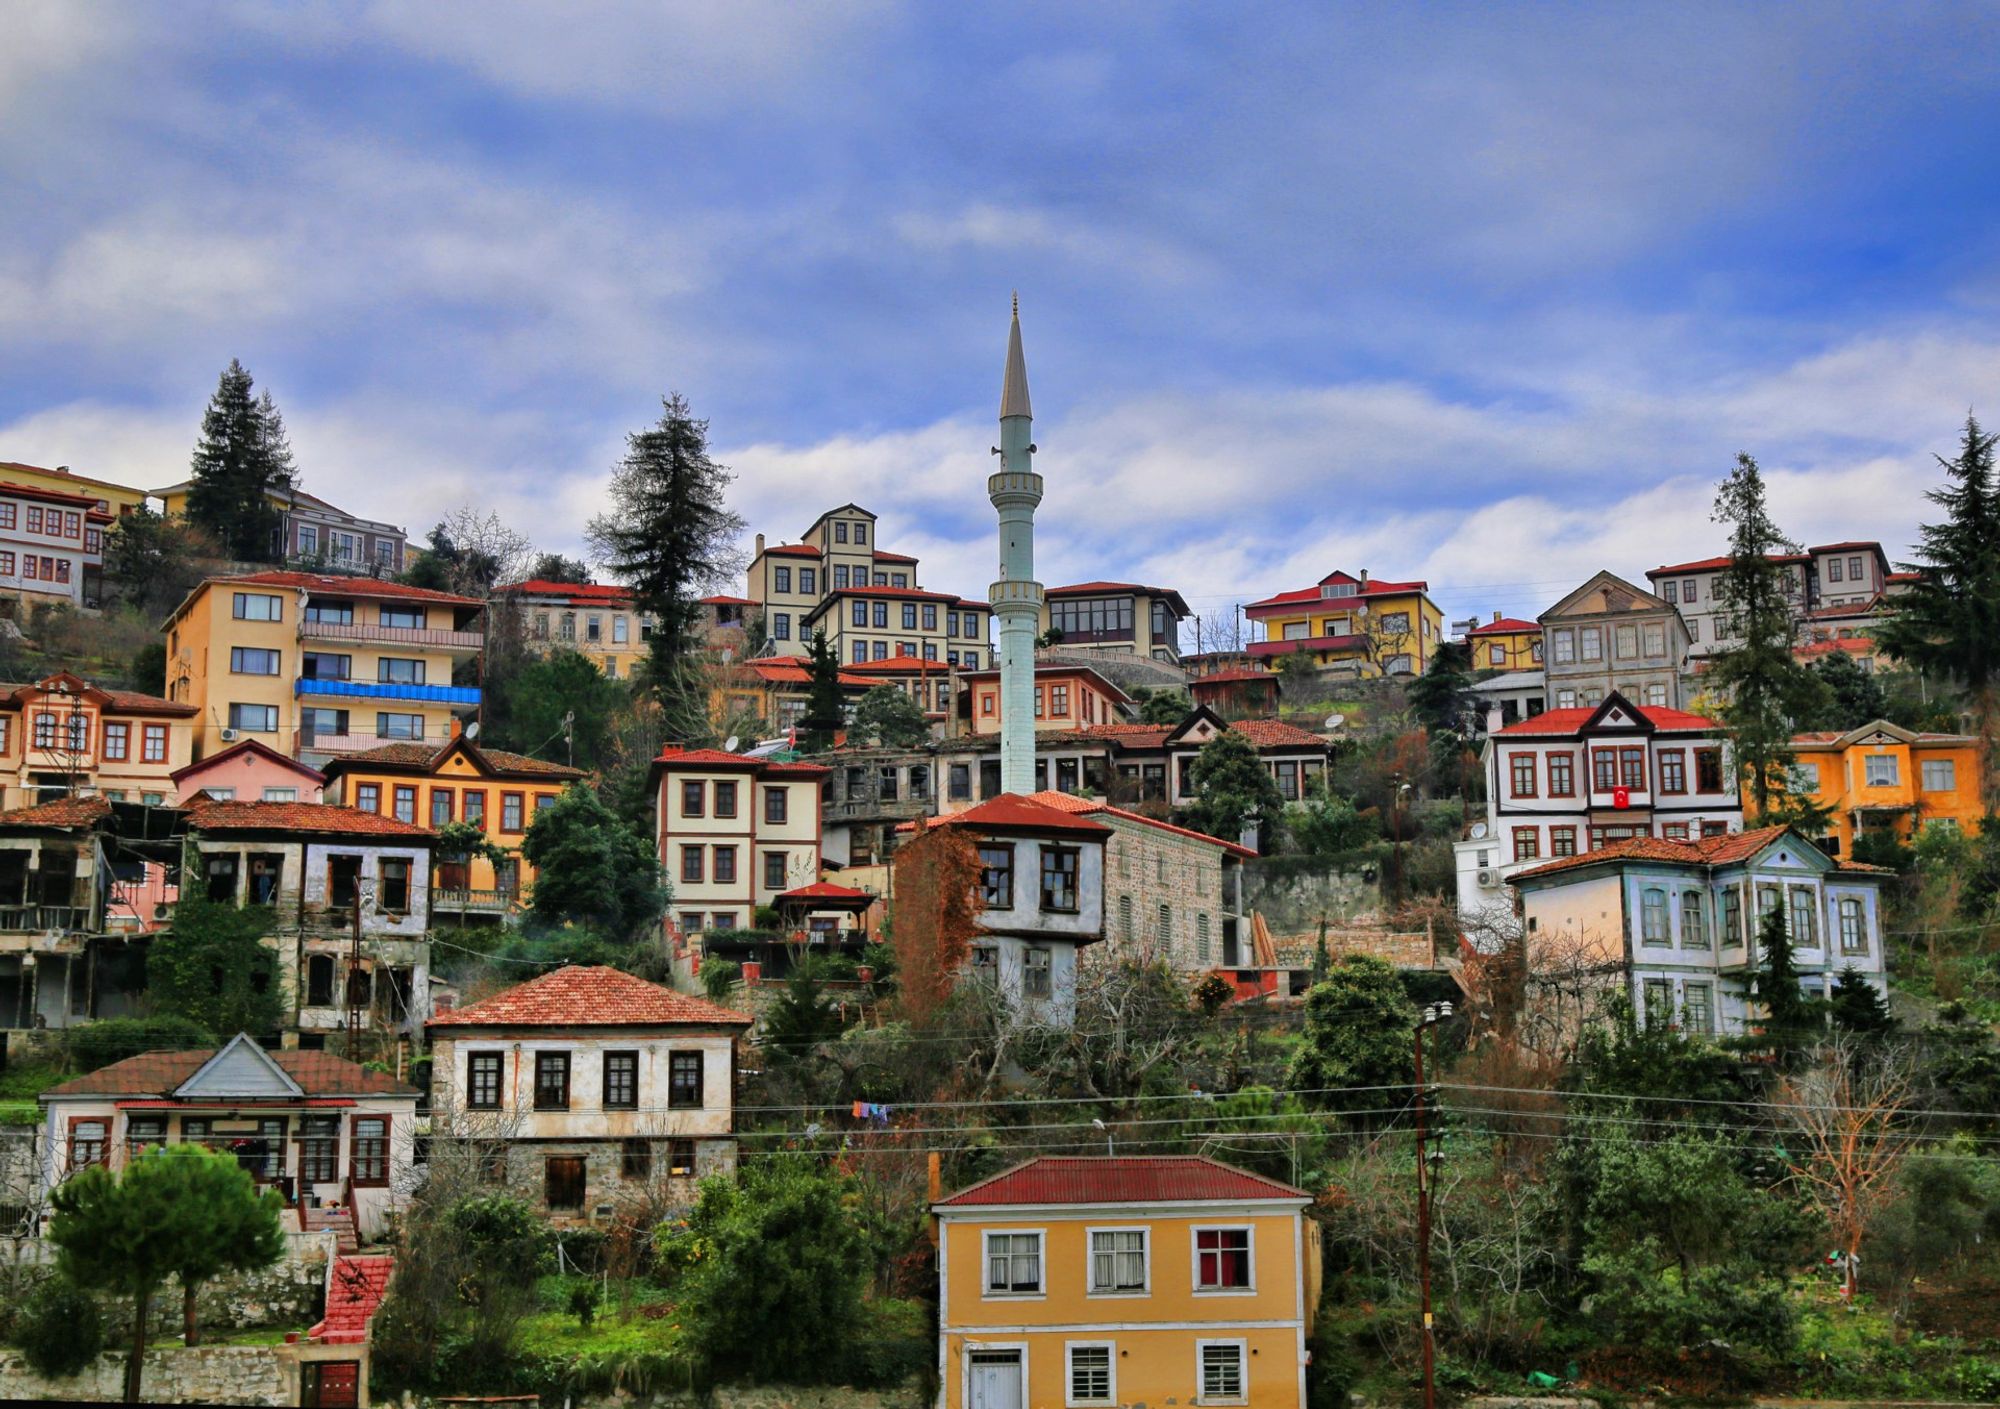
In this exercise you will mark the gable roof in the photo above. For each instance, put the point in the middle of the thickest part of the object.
(1570, 723)
(1121, 1179)
(580, 593)
(1084, 589)
(1010, 812)
(1091, 807)
(1303, 596)
(251, 746)
(1505, 626)
(14, 696)
(162, 1074)
(590, 995)
(315, 818)
(241, 1068)
(1827, 738)
(1612, 580)
(427, 758)
(1725, 850)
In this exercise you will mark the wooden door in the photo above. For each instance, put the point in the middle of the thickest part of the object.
(562, 1181)
(330, 1384)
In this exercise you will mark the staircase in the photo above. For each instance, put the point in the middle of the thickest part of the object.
(338, 1221)
(354, 1288)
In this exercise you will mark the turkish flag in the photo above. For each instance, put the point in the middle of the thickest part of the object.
(1621, 798)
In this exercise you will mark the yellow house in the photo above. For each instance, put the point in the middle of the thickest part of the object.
(1163, 1279)
(1372, 627)
(117, 500)
(315, 666)
(602, 623)
(432, 785)
(1882, 777)
(1506, 643)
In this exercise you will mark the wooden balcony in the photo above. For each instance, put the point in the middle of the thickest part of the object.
(471, 902)
(428, 637)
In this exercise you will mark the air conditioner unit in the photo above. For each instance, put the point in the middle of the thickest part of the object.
(228, 736)
(1489, 878)
(162, 910)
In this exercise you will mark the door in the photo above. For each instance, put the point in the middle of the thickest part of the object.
(996, 1379)
(562, 1181)
(330, 1384)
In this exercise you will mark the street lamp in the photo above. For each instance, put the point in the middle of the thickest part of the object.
(1434, 1015)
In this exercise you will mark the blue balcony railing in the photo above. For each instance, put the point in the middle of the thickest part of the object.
(371, 690)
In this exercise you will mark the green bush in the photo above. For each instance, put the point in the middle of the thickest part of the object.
(109, 1040)
(718, 978)
(60, 1330)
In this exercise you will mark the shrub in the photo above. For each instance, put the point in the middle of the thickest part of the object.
(718, 978)
(583, 1299)
(109, 1040)
(60, 1329)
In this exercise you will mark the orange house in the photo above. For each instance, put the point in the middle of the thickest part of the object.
(429, 785)
(1067, 697)
(1882, 777)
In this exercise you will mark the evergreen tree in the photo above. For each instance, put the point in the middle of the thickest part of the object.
(554, 567)
(1763, 687)
(1230, 783)
(1357, 1034)
(888, 714)
(243, 456)
(1167, 707)
(826, 711)
(1439, 697)
(1788, 1013)
(1948, 622)
(590, 868)
(1854, 696)
(1858, 1008)
(671, 538)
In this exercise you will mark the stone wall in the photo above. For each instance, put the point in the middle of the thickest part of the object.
(1293, 898)
(19, 1175)
(908, 1396)
(210, 1374)
(290, 1295)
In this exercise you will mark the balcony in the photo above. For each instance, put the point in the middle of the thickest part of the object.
(43, 919)
(429, 638)
(310, 742)
(372, 690)
(448, 901)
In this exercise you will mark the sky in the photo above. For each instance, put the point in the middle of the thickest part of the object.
(1487, 295)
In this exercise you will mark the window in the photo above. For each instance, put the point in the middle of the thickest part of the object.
(1732, 916)
(395, 887)
(693, 866)
(1117, 1260)
(88, 1142)
(7, 564)
(861, 533)
(1565, 699)
(684, 1085)
(117, 742)
(1656, 639)
(1656, 697)
(319, 1149)
(1562, 841)
(809, 581)
(1853, 938)
(1222, 1379)
(840, 530)
(399, 726)
(1673, 771)
(258, 606)
(551, 1081)
(1591, 643)
(510, 812)
(859, 615)
(777, 806)
(321, 665)
(406, 803)
(909, 616)
(440, 806)
(1527, 843)
(281, 794)
(1659, 1002)
(621, 1081)
(1708, 770)
(1059, 865)
(1522, 768)
(402, 618)
(958, 782)
(1880, 770)
(563, 1181)
(245, 660)
(1036, 977)
(255, 719)
(1694, 920)
(335, 613)
(680, 1159)
(996, 877)
(881, 616)
(1833, 569)
(368, 797)
(1222, 1259)
(1940, 775)
(482, 1081)
(1805, 923)
(1700, 1006)
(370, 1162)
(781, 580)
(1653, 915)
(1626, 639)
(1562, 775)
(1201, 943)
(1564, 643)
(399, 670)
(473, 808)
(1089, 1373)
(694, 799)
(635, 1159)
(1013, 1264)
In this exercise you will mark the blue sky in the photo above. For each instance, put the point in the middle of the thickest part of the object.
(1489, 295)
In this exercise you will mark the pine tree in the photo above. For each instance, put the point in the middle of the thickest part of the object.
(1439, 696)
(243, 456)
(1764, 688)
(1949, 619)
(826, 711)
(670, 537)
(1788, 1013)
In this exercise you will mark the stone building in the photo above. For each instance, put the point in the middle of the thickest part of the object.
(1609, 636)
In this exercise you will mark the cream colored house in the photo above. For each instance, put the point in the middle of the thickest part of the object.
(590, 1085)
(734, 833)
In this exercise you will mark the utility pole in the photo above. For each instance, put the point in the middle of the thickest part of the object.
(1433, 1015)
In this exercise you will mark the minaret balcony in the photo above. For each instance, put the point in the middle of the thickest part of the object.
(1014, 487)
(1016, 593)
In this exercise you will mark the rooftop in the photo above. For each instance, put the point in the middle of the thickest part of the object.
(590, 996)
(1091, 807)
(333, 585)
(161, 1073)
(65, 812)
(1707, 851)
(1118, 1179)
(1567, 723)
(1023, 814)
(1506, 626)
(574, 591)
(322, 819)
(427, 756)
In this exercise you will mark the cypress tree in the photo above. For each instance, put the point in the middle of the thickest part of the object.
(243, 456)
(825, 709)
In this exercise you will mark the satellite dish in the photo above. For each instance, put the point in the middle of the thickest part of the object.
(1478, 831)
(472, 730)
(1335, 721)
(731, 744)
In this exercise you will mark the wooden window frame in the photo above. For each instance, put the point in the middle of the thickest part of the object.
(777, 805)
(1563, 762)
(1533, 850)
(551, 1061)
(1522, 765)
(380, 1178)
(677, 1064)
(725, 789)
(474, 1062)
(625, 1059)
(519, 802)
(1672, 763)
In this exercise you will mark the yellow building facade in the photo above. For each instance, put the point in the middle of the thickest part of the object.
(1080, 1282)
(1882, 777)
(1506, 643)
(1370, 626)
(115, 499)
(317, 666)
(434, 785)
(601, 623)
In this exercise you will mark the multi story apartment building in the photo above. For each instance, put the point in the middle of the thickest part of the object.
(1609, 637)
(1850, 575)
(1066, 697)
(1117, 618)
(51, 545)
(1362, 624)
(1573, 781)
(734, 833)
(1506, 643)
(590, 1084)
(1097, 1281)
(793, 585)
(64, 735)
(1677, 921)
(435, 784)
(117, 500)
(1885, 778)
(316, 666)
(600, 622)
(313, 535)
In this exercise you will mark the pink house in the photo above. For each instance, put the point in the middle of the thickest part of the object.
(249, 772)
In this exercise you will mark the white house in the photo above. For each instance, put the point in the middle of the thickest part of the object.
(1678, 920)
(1571, 781)
(588, 1083)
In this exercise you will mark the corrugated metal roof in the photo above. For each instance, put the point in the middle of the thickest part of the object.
(1105, 1179)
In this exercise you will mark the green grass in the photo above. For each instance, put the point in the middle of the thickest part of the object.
(262, 1336)
(26, 1081)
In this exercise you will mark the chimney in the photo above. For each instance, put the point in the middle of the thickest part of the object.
(1496, 618)
(1496, 719)
(1364, 577)
(760, 542)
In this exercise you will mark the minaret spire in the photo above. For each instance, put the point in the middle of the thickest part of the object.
(1017, 597)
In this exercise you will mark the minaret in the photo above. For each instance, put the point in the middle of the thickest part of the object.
(1016, 597)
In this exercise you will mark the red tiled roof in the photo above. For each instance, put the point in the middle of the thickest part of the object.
(1240, 675)
(1121, 1179)
(826, 890)
(1708, 851)
(1564, 723)
(882, 557)
(590, 995)
(1716, 564)
(160, 1073)
(794, 550)
(313, 817)
(427, 756)
(575, 591)
(116, 701)
(355, 1287)
(1024, 814)
(1505, 626)
(256, 746)
(1091, 807)
(64, 812)
(724, 600)
(791, 670)
(1905, 577)
(676, 757)
(372, 588)
(1853, 645)
(1276, 734)
(1371, 588)
(1260, 649)
(53, 496)
(1870, 546)
(1867, 608)
(899, 665)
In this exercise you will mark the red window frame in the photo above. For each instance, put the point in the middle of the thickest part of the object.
(694, 797)
(1562, 774)
(1708, 770)
(1520, 767)
(404, 792)
(117, 746)
(516, 805)
(777, 805)
(6, 736)
(1603, 770)
(1673, 771)
(694, 860)
(368, 1155)
(450, 806)
(1562, 841)
(153, 743)
(725, 797)
(472, 806)
(1632, 768)
(101, 1146)
(368, 797)
(1533, 850)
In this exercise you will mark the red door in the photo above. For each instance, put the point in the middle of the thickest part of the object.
(331, 1384)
